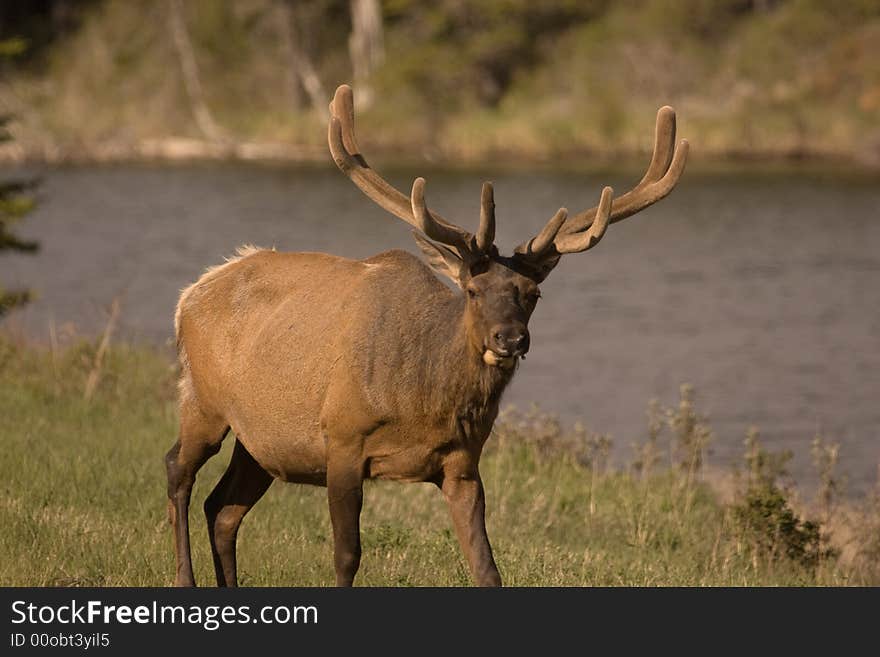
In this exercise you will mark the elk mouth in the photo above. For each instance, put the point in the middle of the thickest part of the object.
(504, 360)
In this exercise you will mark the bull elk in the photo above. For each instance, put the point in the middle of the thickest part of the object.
(331, 371)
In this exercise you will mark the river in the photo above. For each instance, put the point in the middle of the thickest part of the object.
(760, 289)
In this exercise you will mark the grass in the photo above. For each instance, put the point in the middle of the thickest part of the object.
(84, 499)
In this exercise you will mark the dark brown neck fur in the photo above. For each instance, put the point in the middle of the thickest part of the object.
(460, 386)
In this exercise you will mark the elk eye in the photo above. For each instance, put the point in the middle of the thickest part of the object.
(472, 293)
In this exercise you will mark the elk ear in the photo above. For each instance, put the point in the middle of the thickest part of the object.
(545, 266)
(443, 260)
(537, 268)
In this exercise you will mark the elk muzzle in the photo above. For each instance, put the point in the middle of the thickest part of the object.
(505, 344)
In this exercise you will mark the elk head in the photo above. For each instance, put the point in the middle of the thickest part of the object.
(502, 291)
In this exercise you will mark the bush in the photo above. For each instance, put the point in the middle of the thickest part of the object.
(765, 519)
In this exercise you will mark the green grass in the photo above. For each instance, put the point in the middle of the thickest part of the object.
(84, 501)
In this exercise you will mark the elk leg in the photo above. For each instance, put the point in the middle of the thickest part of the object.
(464, 494)
(345, 495)
(200, 439)
(240, 488)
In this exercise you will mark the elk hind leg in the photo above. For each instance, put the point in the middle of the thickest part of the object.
(200, 438)
(240, 488)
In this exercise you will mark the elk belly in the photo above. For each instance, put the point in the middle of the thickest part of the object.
(491, 358)
(411, 464)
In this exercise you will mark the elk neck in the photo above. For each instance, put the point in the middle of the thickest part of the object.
(459, 385)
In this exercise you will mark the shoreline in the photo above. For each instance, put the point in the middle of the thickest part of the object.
(168, 150)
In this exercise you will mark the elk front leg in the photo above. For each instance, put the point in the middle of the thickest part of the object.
(464, 494)
(345, 495)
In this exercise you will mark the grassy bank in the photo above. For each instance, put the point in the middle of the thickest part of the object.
(460, 82)
(84, 499)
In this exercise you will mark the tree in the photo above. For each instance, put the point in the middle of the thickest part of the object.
(190, 71)
(365, 46)
(15, 202)
(294, 21)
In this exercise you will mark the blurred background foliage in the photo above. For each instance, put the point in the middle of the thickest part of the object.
(450, 80)
(16, 200)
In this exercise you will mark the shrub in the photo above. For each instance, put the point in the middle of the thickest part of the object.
(764, 517)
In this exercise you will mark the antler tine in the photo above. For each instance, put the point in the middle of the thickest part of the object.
(438, 232)
(652, 192)
(486, 231)
(664, 145)
(379, 191)
(577, 242)
(342, 107)
(550, 242)
(667, 164)
(543, 240)
(346, 154)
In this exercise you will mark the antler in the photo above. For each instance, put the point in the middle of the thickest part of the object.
(584, 230)
(412, 210)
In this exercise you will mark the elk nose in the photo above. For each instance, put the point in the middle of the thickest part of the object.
(521, 343)
(513, 340)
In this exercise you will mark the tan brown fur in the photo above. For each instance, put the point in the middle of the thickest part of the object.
(302, 352)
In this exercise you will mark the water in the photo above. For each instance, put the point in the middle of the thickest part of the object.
(760, 290)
